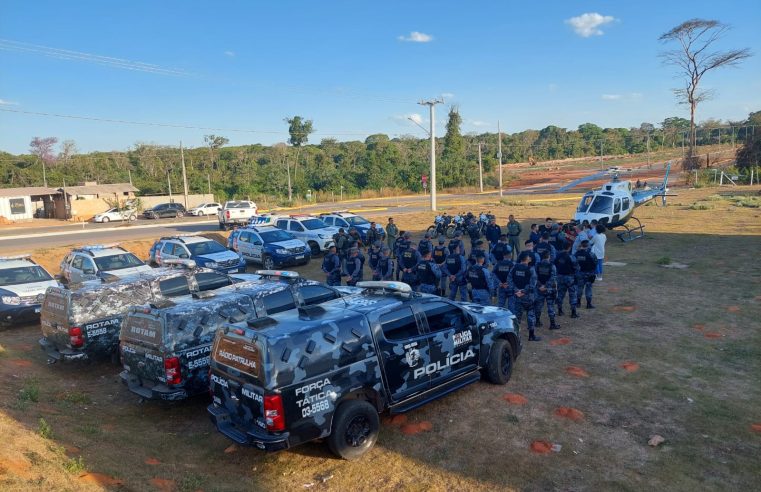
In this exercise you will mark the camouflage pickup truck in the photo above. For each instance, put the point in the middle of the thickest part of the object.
(327, 371)
(165, 352)
(84, 323)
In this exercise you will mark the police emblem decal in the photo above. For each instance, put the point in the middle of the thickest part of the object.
(412, 357)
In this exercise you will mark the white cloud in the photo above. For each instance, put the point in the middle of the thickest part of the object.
(631, 96)
(447, 95)
(586, 25)
(4, 102)
(404, 119)
(231, 54)
(612, 97)
(416, 37)
(479, 123)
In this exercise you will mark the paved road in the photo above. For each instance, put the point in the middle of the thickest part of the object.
(28, 239)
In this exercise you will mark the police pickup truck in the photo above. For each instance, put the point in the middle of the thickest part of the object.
(165, 352)
(327, 371)
(84, 323)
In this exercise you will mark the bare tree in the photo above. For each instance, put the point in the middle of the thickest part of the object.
(43, 149)
(68, 150)
(214, 142)
(695, 56)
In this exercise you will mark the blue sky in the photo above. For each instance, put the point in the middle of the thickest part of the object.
(353, 67)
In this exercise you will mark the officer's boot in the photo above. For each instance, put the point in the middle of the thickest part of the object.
(532, 337)
(538, 322)
(574, 314)
(589, 303)
(553, 325)
(560, 311)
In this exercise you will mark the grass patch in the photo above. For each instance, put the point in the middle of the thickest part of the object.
(75, 466)
(90, 429)
(44, 429)
(748, 202)
(190, 482)
(714, 198)
(663, 260)
(33, 457)
(28, 394)
(77, 398)
(701, 206)
(511, 202)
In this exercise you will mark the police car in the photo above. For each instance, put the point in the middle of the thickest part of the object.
(313, 231)
(22, 288)
(165, 351)
(347, 220)
(99, 261)
(204, 251)
(84, 323)
(269, 246)
(327, 371)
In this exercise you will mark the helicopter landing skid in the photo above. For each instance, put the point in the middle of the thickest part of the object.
(631, 233)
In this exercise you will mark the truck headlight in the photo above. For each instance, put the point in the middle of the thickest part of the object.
(211, 264)
(281, 251)
(13, 300)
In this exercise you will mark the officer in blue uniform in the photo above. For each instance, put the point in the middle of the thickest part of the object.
(404, 244)
(373, 255)
(457, 242)
(455, 269)
(353, 267)
(408, 263)
(425, 244)
(385, 268)
(499, 250)
(545, 245)
(586, 276)
(528, 251)
(567, 268)
(481, 280)
(523, 280)
(478, 249)
(428, 274)
(331, 266)
(546, 290)
(505, 294)
(439, 256)
(492, 232)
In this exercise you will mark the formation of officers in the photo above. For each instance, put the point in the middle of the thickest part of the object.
(553, 262)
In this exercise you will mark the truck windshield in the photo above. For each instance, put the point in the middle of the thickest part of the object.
(356, 220)
(275, 236)
(205, 248)
(118, 262)
(237, 205)
(313, 224)
(601, 205)
(23, 275)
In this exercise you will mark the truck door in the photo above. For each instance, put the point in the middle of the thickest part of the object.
(404, 353)
(452, 338)
(256, 246)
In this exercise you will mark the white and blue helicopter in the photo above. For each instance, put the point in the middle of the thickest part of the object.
(613, 204)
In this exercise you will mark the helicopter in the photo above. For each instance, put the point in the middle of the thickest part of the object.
(613, 204)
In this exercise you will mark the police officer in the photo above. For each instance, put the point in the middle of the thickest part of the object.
(342, 245)
(372, 235)
(428, 274)
(408, 262)
(402, 244)
(355, 240)
(567, 268)
(455, 268)
(457, 241)
(514, 235)
(385, 268)
(373, 255)
(523, 280)
(544, 245)
(440, 253)
(481, 280)
(473, 232)
(505, 294)
(546, 290)
(353, 267)
(492, 232)
(586, 276)
(528, 251)
(392, 233)
(331, 265)
(534, 234)
(478, 249)
(425, 244)
(499, 250)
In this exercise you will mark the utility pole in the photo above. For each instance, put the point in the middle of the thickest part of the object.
(431, 103)
(601, 142)
(44, 174)
(129, 173)
(184, 175)
(499, 156)
(648, 149)
(208, 181)
(480, 169)
(169, 184)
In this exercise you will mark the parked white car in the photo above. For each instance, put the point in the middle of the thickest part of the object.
(210, 208)
(116, 214)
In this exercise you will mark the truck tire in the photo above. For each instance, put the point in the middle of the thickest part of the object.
(355, 429)
(314, 247)
(501, 360)
(268, 263)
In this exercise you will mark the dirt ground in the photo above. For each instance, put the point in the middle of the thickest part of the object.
(673, 352)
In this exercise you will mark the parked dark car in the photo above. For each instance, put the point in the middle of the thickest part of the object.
(165, 210)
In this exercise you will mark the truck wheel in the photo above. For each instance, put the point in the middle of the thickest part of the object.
(355, 429)
(268, 263)
(106, 219)
(501, 359)
(132, 218)
(180, 214)
(314, 247)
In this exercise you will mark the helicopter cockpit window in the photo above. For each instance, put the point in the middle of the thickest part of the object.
(626, 204)
(617, 206)
(601, 205)
(584, 205)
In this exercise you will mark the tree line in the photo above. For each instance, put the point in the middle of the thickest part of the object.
(379, 162)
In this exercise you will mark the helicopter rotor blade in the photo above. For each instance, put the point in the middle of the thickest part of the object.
(579, 181)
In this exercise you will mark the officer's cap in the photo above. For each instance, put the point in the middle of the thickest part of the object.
(353, 250)
(441, 240)
(407, 234)
(386, 249)
(479, 254)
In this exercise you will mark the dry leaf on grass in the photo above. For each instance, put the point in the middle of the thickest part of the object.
(656, 440)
